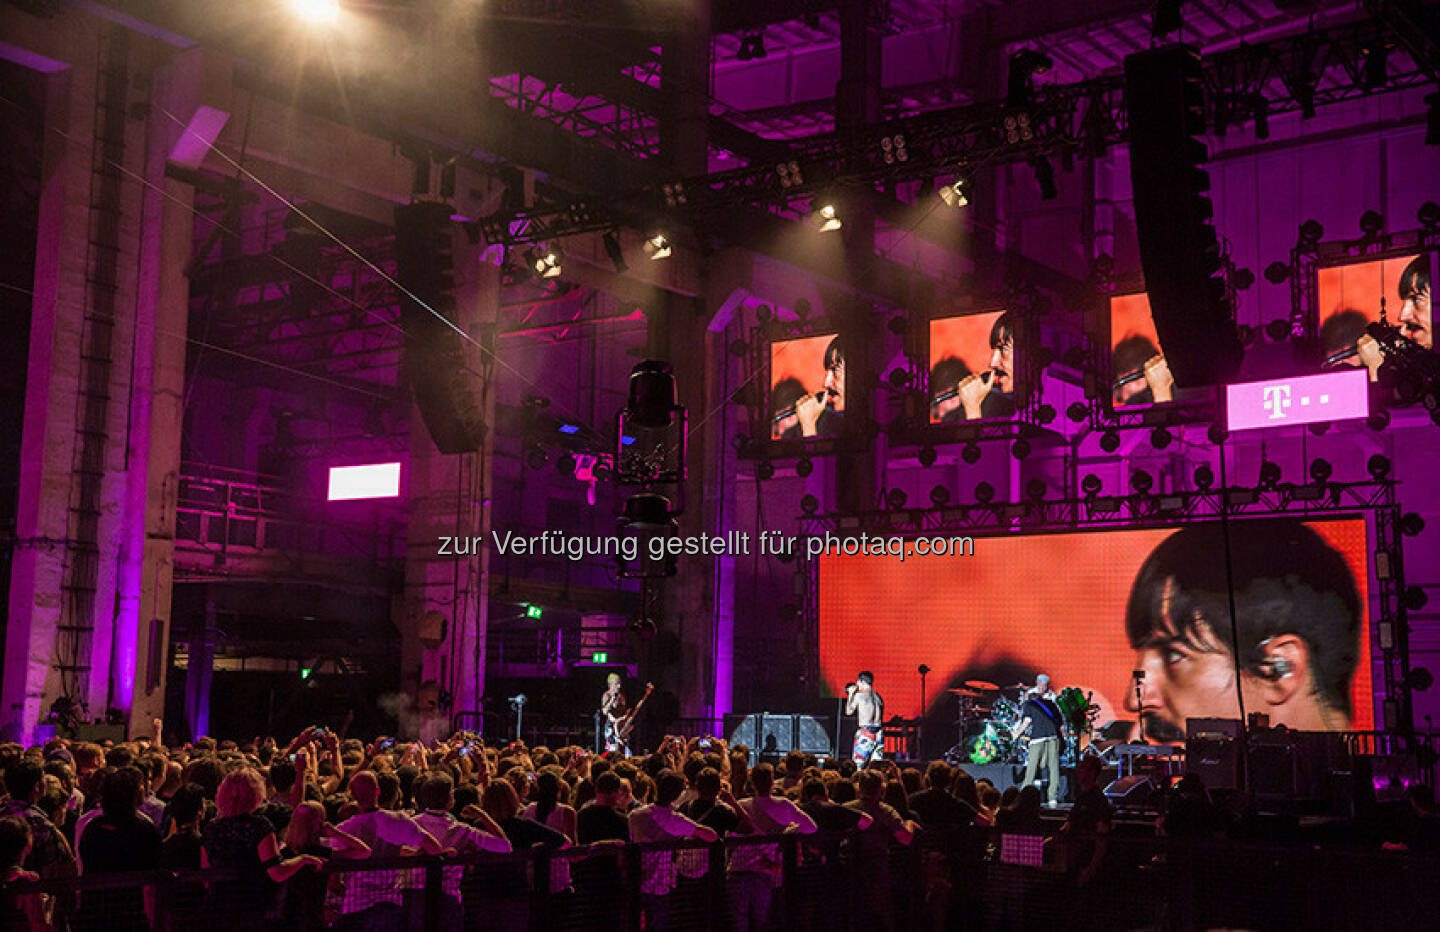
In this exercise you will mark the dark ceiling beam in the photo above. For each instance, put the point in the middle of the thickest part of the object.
(743, 15)
(1023, 20)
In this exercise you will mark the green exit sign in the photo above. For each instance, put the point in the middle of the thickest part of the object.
(533, 611)
(599, 656)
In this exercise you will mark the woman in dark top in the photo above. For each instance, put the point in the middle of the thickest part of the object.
(302, 903)
(243, 840)
(181, 849)
(120, 840)
(19, 910)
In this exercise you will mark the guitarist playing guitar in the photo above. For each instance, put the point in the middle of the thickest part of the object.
(619, 717)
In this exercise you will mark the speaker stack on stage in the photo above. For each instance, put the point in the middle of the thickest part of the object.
(772, 735)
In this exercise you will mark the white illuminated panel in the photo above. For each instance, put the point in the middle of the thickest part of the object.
(1302, 399)
(373, 480)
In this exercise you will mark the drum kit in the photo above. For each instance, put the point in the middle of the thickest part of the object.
(988, 717)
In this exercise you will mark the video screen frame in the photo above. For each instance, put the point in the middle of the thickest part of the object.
(1322, 313)
(1157, 385)
(1022, 373)
(842, 433)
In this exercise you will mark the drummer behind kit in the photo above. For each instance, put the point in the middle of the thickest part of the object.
(988, 719)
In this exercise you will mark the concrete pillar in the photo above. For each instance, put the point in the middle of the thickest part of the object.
(200, 673)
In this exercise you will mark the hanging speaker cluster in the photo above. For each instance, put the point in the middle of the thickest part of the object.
(1179, 249)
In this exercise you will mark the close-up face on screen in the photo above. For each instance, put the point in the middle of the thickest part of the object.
(1351, 296)
(1091, 609)
(807, 387)
(1141, 375)
(972, 367)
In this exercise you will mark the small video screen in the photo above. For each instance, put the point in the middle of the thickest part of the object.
(973, 373)
(1351, 296)
(1141, 375)
(807, 387)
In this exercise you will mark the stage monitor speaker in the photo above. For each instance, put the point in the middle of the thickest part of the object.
(778, 733)
(434, 354)
(1212, 751)
(1132, 792)
(1179, 250)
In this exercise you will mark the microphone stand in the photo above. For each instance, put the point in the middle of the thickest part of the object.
(920, 719)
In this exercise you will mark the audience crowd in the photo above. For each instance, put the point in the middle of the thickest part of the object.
(274, 815)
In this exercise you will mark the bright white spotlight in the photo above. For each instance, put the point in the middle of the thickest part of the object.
(956, 194)
(317, 11)
(826, 219)
(657, 247)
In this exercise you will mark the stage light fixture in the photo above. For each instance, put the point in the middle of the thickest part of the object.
(536, 458)
(956, 193)
(1024, 65)
(738, 347)
(1319, 428)
(789, 174)
(1311, 232)
(1242, 279)
(898, 378)
(892, 149)
(1078, 412)
(1278, 330)
(895, 499)
(1371, 223)
(1277, 273)
(1020, 449)
(1374, 59)
(1419, 679)
(809, 504)
(545, 263)
(1141, 481)
(1429, 215)
(1246, 333)
(1204, 477)
(825, 218)
(926, 456)
(674, 194)
(1045, 178)
(970, 453)
(1321, 470)
(1217, 434)
(1269, 474)
(316, 11)
(1378, 465)
(653, 397)
(1166, 18)
(611, 243)
(1035, 489)
(1411, 524)
(1378, 421)
(1160, 437)
(1432, 119)
(940, 496)
(1045, 414)
(752, 46)
(764, 470)
(1414, 599)
(1090, 485)
(804, 467)
(1110, 441)
(984, 493)
(656, 247)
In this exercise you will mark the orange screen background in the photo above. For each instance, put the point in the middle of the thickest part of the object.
(1359, 287)
(802, 359)
(1054, 603)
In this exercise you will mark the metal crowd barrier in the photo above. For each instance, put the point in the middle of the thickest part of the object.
(969, 879)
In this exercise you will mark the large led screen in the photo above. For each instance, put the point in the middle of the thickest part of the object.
(1088, 608)
(1136, 357)
(807, 387)
(1350, 297)
(972, 367)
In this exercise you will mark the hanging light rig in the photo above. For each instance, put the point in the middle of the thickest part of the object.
(650, 451)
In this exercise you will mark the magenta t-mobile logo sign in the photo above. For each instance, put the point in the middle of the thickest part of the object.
(1304, 399)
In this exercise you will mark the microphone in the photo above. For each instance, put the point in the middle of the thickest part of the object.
(517, 700)
(849, 686)
(821, 396)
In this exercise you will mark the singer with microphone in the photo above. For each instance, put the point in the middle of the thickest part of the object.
(797, 413)
(863, 701)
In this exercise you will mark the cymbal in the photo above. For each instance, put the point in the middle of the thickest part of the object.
(982, 685)
(968, 693)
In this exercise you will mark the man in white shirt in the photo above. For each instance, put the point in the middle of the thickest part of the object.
(389, 834)
(755, 869)
(656, 823)
(435, 794)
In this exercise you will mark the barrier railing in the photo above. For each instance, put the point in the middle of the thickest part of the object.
(967, 878)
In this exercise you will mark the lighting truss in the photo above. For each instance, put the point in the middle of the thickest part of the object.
(1293, 73)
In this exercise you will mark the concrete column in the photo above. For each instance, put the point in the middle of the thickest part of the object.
(200, 673)
(147, 547)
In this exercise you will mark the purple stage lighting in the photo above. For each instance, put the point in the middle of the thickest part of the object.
(372, 480)
(1304, 399)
